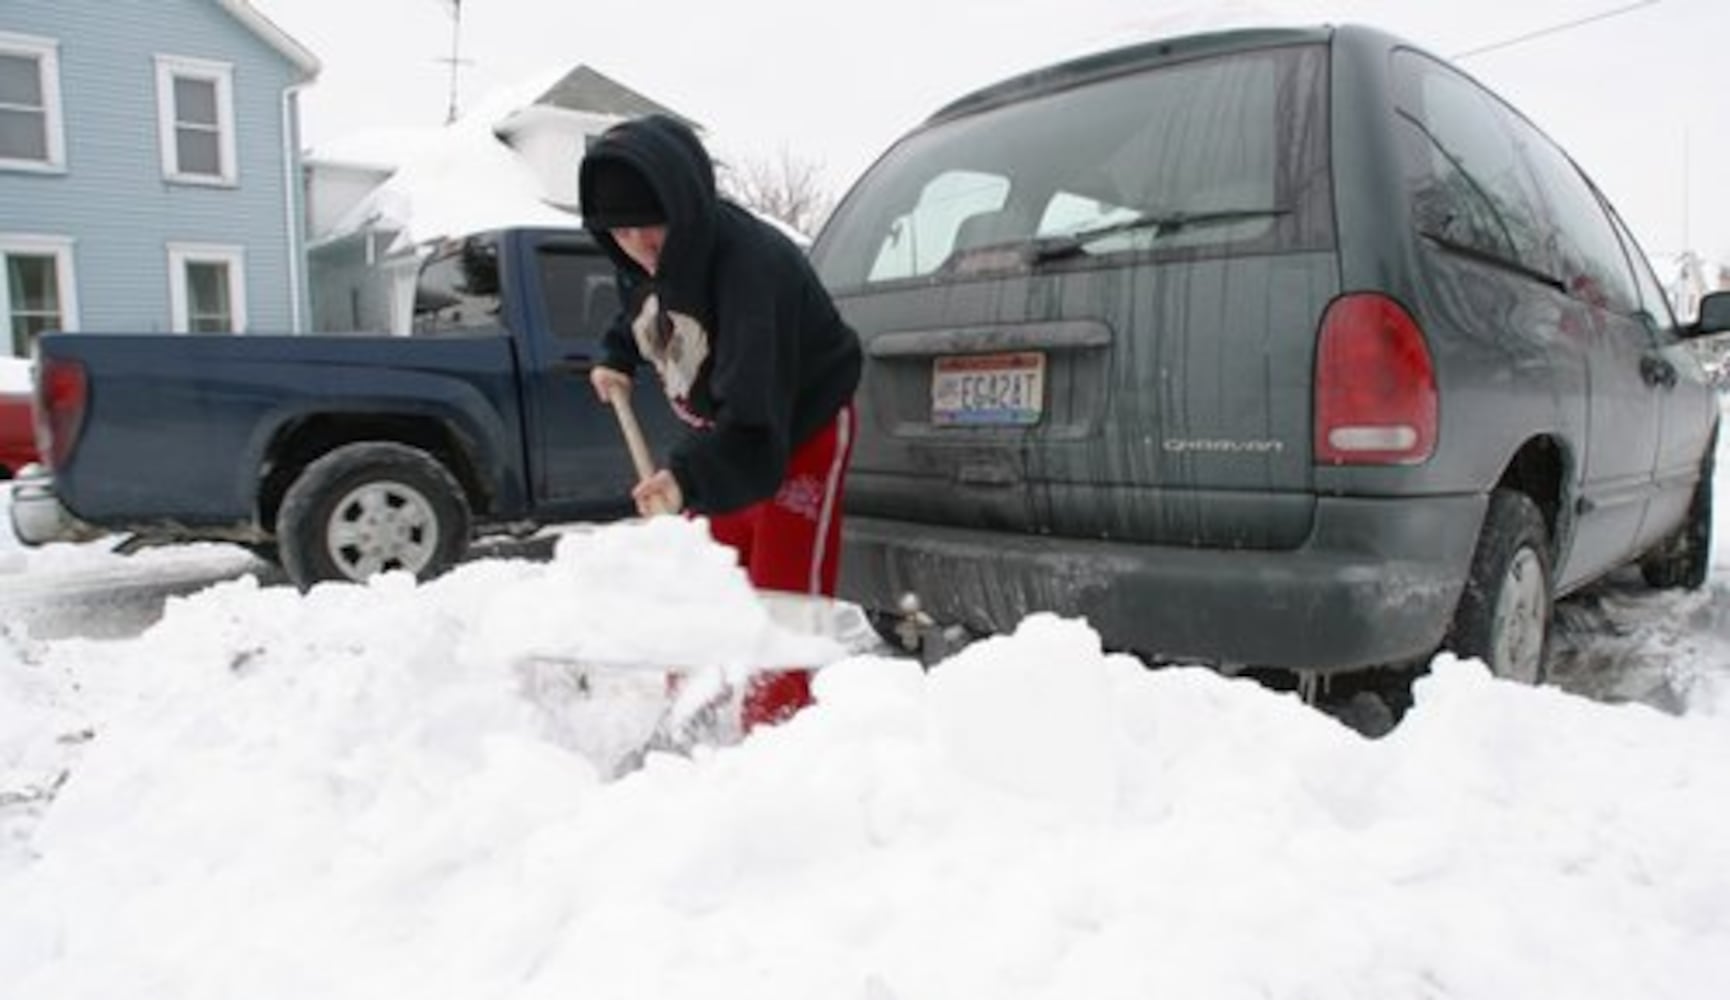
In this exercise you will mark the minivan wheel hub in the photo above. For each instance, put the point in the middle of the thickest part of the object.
(1522, 612)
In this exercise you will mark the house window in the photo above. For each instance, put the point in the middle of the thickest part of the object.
(195, 111)
(207, 288)
(30, 129)
(37, 293)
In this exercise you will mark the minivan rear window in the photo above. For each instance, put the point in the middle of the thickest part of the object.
(1220, 154)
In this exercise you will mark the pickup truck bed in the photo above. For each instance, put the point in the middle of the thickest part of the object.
(348, 454)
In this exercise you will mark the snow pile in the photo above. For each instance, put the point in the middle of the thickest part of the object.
(352, 793)
(25, 569)
(39, 731)
(655, 591)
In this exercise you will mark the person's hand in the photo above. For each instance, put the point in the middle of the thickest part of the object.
(658, 494)
(607, 381)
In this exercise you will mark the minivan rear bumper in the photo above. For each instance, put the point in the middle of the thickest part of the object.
(1376, 583)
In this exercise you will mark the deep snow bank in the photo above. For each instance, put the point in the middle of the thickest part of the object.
(353, 794)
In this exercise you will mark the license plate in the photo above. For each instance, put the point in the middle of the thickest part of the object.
(988, 389)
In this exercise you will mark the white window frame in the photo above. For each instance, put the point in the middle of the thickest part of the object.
(30, 245)
(179, 295)
(171, 68)
(46, 51)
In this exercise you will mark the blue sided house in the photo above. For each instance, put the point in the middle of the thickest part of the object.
(150, 175)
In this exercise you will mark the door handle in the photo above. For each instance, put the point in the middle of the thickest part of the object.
(1657, 372)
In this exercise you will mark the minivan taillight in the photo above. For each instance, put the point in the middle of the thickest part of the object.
(1375, 385)
(62, 396)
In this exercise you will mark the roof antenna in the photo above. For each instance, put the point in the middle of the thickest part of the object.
(454, 60)
(1552, 29)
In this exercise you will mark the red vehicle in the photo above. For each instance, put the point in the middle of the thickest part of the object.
(17, 427)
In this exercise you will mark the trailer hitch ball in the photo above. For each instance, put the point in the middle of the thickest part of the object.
(912, 623)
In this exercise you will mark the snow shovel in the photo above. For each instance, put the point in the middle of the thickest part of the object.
(617, 712)
(620, 399)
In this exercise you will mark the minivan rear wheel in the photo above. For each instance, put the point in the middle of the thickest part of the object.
(1504, 614)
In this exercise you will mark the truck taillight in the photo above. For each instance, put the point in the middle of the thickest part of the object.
(62, 395)
(1375, 385)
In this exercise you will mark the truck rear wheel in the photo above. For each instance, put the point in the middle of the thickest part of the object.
(1504, 613)
(371, 507)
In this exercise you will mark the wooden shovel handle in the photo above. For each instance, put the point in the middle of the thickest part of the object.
(620, 398)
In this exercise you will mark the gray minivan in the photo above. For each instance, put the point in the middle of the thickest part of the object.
(1289, 348)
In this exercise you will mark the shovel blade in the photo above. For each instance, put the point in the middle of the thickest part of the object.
(616, 711)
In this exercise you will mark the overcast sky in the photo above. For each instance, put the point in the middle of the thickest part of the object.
(1639, 97)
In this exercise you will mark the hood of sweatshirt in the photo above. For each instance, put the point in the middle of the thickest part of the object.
(671, 157)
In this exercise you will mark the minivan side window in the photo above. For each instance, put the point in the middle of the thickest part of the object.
(1232, 140)
(1485, 180)
(1470, 188)
(1593, 265)
(1654, 302)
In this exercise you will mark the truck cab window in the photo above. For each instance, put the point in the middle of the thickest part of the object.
(578, 290)
(458, 291)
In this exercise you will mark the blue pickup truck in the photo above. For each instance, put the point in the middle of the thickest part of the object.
(344, 455)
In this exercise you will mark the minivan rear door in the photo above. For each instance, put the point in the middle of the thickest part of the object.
(1089, 302)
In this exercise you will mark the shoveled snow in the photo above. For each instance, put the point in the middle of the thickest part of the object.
(359, 793)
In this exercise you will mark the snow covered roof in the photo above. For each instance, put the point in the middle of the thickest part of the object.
(448, 181)
(383, 149)
(587, 89)
(464, 178)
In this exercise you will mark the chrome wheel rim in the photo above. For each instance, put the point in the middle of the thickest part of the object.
(379, 526)
(1522, 612)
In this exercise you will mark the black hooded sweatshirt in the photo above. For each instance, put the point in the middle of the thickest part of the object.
(750, 348)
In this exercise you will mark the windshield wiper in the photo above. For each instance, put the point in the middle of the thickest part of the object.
(1046, 248)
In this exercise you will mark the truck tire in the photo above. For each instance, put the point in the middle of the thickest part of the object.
(1504, 614)
(1685, 558)
(370, 507)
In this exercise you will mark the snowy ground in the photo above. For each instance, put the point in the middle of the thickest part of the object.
(367, 792)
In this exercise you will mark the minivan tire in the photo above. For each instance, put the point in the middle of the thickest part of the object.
(1503, 617)
(1685, 558)
(370, 507)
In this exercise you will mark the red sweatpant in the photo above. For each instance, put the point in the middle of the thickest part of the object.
(792, 542)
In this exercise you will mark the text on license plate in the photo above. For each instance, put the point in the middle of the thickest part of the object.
(988, 389)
